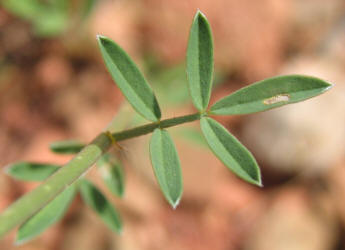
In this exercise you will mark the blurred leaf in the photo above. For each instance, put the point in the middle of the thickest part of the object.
(171, 85)
(166, 166)
(103, 160)
(112, 174)
(129, 79)
(27, 9)
(66, 147)
(170, 82)
(62, 5)
(270, 93)
(230, 151)
(46, 217)
(122, 119)
(50, 22)
(28, 171)
(48, 18)
(200, 61)
(192, 135)
(98, 202)
(87, 9)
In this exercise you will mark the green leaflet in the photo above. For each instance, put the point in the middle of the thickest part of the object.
(270, 93)
(46, 217)
(66, 147)
(200, 61)
(98, 202)
(166, 166)
(129, 79)
(230, 151)
(112, 174)
(28, 171)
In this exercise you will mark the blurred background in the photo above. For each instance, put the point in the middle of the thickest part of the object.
(54, 86)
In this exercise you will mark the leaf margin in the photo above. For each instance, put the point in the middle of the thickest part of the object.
(117, 225)
(158, 135)
(246, 177)
(50, 169)
(70, 194)
(200, 101)
(154, 114)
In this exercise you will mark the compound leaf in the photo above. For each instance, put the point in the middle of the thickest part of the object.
(28, 171)
(230, 151)
(166, 166)
(99, 203)
(46, 217)
(200, 61)
(129, 79)
(270, 93)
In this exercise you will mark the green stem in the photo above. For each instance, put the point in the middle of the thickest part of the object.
(29, 204)
(26, 206)
(148, 128)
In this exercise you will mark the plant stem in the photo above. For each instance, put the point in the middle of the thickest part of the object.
(148, 128)
(32, 202)
(29, 204)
